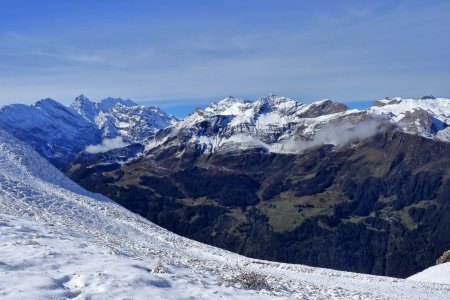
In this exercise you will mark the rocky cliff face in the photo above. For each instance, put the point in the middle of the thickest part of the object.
(444, 258)
(272, 122)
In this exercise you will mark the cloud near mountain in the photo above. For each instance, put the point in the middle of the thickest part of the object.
(343, 133)
(106, 145)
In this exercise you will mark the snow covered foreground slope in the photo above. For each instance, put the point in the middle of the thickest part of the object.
(439, 273)
(60, 241)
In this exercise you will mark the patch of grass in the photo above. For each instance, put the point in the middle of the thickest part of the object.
(387, 200)
(286, 212)
(238, 215)
(130, 179)
(371, 159)
(403, 215)
(197, 201)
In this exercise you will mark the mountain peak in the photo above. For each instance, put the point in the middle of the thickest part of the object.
(82, 98)
(47, 101)
(273, 99)
(108, 103)
(230, 99)
(84, 107)
(49, 105)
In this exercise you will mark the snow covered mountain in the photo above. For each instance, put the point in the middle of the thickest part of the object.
(428, 116)
(54, 130)
(118, 117)
(60, 241)
(282, 125)
(272, 122)
(59, 133)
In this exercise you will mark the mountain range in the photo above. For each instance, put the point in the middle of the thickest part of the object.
(317, 184)
(59, 133)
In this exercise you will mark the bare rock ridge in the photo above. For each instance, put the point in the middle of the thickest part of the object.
(445, 258)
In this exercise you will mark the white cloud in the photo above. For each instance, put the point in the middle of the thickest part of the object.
(106, 145)
(338, 134)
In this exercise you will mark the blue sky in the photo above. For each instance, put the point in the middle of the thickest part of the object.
(182, 54)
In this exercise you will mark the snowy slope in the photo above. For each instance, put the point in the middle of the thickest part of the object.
(60, 241)
(428, 116)
(439, 273)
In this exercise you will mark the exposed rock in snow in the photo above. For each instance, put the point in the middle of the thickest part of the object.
(426, 117)
(118, 117)
(273, 123)
(445, 258)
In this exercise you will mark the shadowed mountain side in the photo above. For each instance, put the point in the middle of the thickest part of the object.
(379, 206)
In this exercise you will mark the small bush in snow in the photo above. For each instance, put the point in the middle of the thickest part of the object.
(250, 280)
(159, 268)
(32, 242)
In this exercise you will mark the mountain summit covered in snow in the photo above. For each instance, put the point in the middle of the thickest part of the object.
(282, 125)
(272, 123)
(124, 118)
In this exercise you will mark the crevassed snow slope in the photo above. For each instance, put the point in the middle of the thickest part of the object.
(60, 241)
